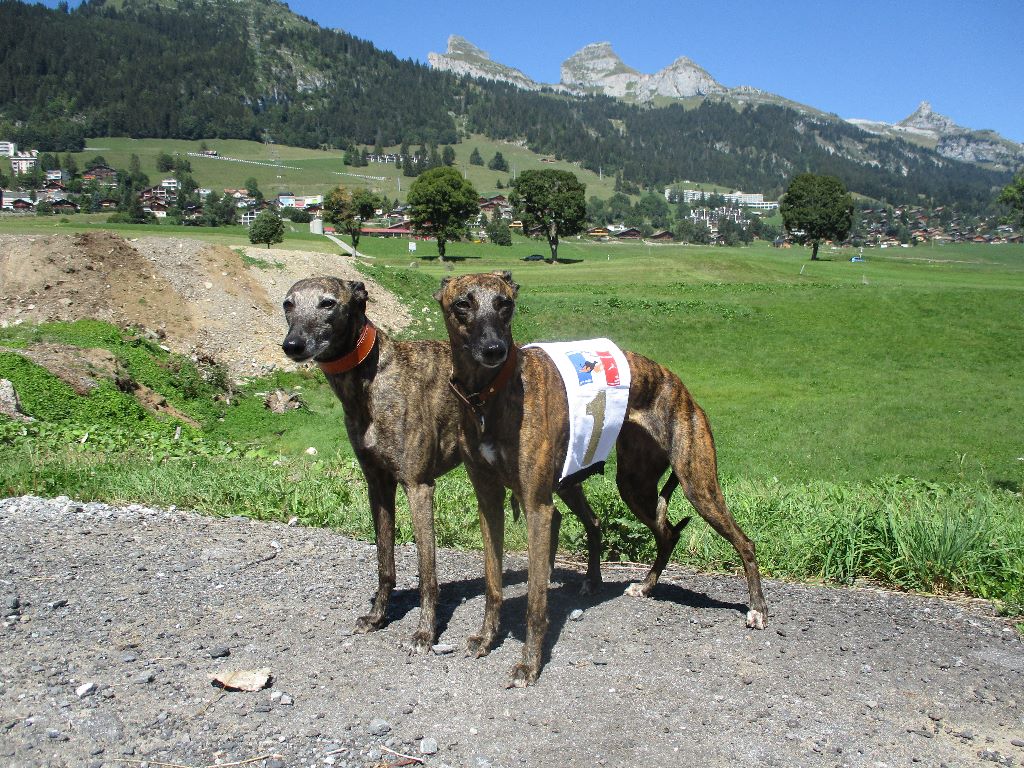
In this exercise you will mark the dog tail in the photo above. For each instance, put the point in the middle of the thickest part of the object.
(516, 510)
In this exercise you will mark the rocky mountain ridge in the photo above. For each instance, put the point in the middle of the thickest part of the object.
(597, 68)
(941, 133)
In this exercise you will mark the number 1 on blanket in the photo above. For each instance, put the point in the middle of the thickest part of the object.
(595, 408)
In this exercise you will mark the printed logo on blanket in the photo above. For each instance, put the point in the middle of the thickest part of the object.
(596, 379)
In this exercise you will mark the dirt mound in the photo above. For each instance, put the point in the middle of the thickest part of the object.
(90, 275)
(204, 300)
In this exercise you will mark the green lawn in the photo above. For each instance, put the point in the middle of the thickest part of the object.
(906, 364)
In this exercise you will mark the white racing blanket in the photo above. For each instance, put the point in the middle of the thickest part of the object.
(596, 378)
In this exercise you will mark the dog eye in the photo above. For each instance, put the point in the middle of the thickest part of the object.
(328, 303)
(462, 305)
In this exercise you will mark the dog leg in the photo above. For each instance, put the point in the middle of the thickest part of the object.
(698, 473)
(382, 504)
(638, 470)
(421, 507)
(490, 501)
(539, 531)
(576, 500)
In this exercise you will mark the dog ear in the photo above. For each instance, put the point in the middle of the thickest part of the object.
(440, 291)
(506, 277)
(359, 294)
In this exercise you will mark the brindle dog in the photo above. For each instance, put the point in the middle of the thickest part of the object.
(517, 439)
(402, 420)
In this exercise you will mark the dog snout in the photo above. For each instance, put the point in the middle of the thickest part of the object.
(294, 346)
(493, 352)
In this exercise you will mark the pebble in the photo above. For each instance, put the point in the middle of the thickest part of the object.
(442, 649)
(428, 746)
(378, 727)
(143, 678)
(85, 689)
(220, 652)
(576, 615)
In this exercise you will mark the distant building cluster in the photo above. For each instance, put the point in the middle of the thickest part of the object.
(753, 200)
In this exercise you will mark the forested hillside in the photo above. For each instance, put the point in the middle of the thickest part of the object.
(252, 69)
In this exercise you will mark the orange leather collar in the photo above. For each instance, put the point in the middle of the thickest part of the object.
(364, 346)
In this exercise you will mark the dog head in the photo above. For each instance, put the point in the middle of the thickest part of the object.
(478, 312)
(324, 315)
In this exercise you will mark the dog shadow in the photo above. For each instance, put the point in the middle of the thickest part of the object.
(563, 599)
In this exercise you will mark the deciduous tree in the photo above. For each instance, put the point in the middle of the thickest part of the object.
(1013, 196)
(816, 208)
(442, 202)
(552, 199)
(266, 228)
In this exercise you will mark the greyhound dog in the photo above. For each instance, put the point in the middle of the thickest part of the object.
(403, 422)
(517, 439)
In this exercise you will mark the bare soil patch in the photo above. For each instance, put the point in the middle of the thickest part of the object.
(202, 300)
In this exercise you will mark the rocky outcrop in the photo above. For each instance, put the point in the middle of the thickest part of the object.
(952, 141)
(596, 67)
(464, 58)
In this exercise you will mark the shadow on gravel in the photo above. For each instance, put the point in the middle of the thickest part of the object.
(563, 599)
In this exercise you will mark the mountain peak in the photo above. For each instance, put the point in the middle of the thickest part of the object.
(464, 58)
(924, 118)
(461, 46)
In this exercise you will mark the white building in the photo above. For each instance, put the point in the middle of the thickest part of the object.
(8, 148)
(752, 200)
(23, 162)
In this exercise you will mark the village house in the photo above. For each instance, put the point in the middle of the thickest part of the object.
(8, 148)
(101, 174)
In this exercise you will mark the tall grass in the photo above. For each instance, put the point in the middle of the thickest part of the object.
(897, 532)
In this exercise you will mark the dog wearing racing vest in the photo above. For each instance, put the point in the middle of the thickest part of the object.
(402, 420)
(514, 435)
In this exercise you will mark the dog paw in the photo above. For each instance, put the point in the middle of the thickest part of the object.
(755, 620)
(636, 590)
(522, 676)
(476, 646)
(589, 587)
(366, 624)
(422, 641)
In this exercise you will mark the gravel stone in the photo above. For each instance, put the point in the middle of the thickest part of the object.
(378, 727)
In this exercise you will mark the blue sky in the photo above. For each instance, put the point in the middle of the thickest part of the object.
(873, 59)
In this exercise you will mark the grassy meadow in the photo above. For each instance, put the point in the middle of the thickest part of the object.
(867, 415)
(279, 168)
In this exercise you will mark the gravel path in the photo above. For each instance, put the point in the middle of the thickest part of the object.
(113, 619)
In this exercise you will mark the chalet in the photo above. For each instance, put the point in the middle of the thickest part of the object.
(662, 237)
(597, 232)
(108, 204)
(629, 233)
(56, 174)
(102, 174)
(395, 230)
(53, 190)
(21, 205)
(156, 207)
(64, 206)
